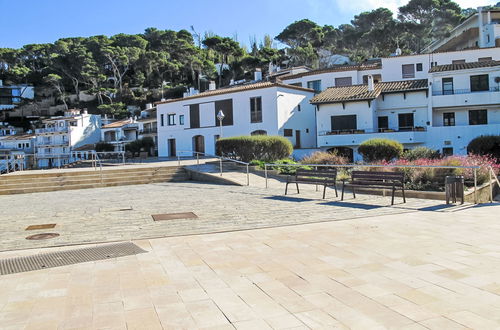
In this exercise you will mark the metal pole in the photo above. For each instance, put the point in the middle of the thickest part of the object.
(7, 163)
(248, 176)
(123, 157)
(198, 160)
(475, 186)
(491, 186)
(178, 160)
(220, 165)
(265, 173)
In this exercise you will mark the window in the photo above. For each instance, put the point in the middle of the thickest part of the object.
(478, 117)
(299, 108)
(343, 81)
(447, 151)
(383, 122)
(288, 132)
(405, 121)
(433, 64)
(194, 116)
(479, 83)
(181, 119)
(449, 119)
(343, 123)
(315, 84)
(419, 67)
(408, 71)
(458, 62)
(171, 119)
(484, 59)
(19, 146)
(256, 110)
(259, 132)
(227, 108)
(27, 145)
(447, 86)
(161, 120)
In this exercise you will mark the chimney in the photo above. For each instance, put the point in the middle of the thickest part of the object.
(85, 111)
(149, 105)
(231, 82)
(480, 26)
(371, 85)
(211, 86)
(257, 75)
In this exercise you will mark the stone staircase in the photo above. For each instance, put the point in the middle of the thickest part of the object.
(26, 182)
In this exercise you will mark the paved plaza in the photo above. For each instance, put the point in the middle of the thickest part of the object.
(314, 263)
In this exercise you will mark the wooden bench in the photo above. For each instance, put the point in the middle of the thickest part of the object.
(323, 176)
(392, 180)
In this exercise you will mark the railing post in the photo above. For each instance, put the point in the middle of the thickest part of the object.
(178, 160)
(248, 176)
(220, 165)
(197, 161)
(265, 173)
(475, 185)
(7, 162)
(123, 157)
(491, 185)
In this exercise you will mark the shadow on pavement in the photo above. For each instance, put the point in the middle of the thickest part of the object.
(288, 199)
(353, 205)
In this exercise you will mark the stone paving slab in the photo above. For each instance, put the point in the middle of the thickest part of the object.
(124, 213)
(417, 270)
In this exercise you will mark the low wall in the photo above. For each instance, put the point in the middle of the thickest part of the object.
(209, 178)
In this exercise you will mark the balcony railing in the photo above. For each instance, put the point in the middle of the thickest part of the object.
(148, 131)
(51, 130)
(463, 91)
(371, 131)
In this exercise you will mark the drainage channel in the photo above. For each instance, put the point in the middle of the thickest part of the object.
(68, 257)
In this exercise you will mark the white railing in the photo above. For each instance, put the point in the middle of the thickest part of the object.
(51, 130)
(221, 159)
(11, 163)
(473, 168)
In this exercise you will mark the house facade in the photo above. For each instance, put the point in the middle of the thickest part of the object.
(60, 135)
(11, 96)
(148, 126)
(120, 132)
(260, 108)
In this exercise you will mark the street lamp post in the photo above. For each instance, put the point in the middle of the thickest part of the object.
(220, 116)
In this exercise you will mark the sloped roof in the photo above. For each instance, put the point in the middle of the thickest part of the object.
(341, 68)
(237, 88)
(464, 66)
(119, 123)
(361, 92)
(18, 137)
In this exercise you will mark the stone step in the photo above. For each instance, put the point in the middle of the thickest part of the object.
(30, 183)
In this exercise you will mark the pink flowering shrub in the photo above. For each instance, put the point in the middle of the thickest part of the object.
(428, 178)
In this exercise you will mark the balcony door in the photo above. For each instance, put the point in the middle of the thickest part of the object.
(447, 86)
(405, 121)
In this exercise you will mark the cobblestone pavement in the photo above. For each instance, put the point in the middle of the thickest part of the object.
(124, 213)
(418, 270)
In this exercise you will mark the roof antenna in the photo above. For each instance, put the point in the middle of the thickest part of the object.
(398, 50)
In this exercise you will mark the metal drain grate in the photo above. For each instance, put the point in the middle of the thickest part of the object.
(69, 257)
(174, 216)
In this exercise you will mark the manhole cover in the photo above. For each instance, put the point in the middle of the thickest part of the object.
(43, 226)
(174, 216)
(42, 236)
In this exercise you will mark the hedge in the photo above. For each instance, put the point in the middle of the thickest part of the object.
(380, 149)
(421, 152)
(104, 146)
(260, 147)
(485, 145)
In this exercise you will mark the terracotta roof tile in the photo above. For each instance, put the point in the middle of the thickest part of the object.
(18, 137)
(119, 123)
(357, 67)
(361, 92)
(464, 66)
(237, 88)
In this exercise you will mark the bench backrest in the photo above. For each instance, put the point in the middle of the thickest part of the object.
(327, 175)
(369, 178)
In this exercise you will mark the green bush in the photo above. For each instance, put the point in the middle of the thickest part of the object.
(485, 145)
(134, 146)
(327, 158)
(374, 150)
(247, 148)
(421, 152)
(104, 147)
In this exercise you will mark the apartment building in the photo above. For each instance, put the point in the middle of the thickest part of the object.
(120, 132)
(25, 143)
(11, 96)
(61, 135)
(148, 126)
(268, 108)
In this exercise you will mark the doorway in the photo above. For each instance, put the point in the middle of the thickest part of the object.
(297, 139)
(199, 143)
(172, 152)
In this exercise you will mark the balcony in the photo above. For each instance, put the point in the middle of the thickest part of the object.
(51, 130)
(356, 137)
(465, 97)
(147, 131)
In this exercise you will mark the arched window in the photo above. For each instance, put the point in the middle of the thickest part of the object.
(259, 132)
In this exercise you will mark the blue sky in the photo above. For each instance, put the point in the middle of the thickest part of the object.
(42, 21)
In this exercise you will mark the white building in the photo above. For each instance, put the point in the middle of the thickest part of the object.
(190, 123)
(25, 143)
(456, 104)
(479, 30)
(61, 135)
(148, 124)
(120, 132)
(11, 96)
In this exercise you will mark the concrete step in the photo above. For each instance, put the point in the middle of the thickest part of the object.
(42, 182)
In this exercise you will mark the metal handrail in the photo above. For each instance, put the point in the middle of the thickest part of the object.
(197, 153)
(490, 173)
(475, 168)
(98, 160)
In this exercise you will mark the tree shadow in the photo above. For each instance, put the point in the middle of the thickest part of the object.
(288, 199)
(353, 205)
